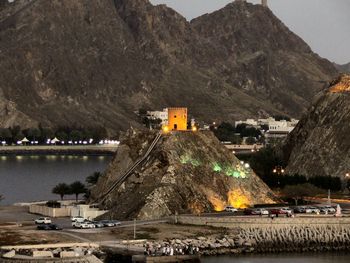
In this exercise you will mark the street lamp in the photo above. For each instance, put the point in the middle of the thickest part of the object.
(279, 171)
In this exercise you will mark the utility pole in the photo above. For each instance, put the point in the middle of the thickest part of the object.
(134, 228)
(329, 196)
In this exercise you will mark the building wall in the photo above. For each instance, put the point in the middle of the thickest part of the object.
(50, 212)
(177, 119)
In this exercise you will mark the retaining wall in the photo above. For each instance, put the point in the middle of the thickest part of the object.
(264, 222)
(50, 212)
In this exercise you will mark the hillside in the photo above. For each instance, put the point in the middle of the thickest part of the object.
(320, 144)
(185, 173)
(343, 68)
(93, 63)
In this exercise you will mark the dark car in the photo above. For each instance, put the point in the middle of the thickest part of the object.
(48, 227)
(300, 209)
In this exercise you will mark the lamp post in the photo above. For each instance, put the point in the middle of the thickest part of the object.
(278, 170)
(346, 180)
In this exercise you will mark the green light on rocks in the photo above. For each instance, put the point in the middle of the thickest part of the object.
(217, 168)
(236, 174)
(195, 163)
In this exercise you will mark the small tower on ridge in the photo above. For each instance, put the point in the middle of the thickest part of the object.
(264, 3)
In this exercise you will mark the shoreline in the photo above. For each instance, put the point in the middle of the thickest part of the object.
(58, 150)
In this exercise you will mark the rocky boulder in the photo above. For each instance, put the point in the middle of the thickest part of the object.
(186, 173)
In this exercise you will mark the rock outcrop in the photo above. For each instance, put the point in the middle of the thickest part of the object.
(320, 144)
(93, 63)
(186, 173)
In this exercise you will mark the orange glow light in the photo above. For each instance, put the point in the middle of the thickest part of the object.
(165, 129)
(237, 199)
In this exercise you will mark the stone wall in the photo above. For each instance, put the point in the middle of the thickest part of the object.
(265, 222)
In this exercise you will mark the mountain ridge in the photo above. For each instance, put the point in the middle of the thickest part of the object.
(85, 63)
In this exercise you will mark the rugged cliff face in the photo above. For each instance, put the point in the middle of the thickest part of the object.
(320, 144)
(96, 62)
(186, 173)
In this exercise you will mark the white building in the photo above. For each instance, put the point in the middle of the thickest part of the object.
(162, 115)
(278, 130)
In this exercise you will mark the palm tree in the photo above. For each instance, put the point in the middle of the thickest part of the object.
(77, 188)
(61, 190)
(93, 178)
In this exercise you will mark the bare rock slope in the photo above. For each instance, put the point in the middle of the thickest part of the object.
(93, 63)
(186, 173)
(320, 144)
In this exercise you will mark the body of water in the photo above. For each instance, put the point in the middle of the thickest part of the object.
(282, 258)
(31, 178)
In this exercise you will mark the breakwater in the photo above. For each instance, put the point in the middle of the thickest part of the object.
(266, 235)
(269, 240)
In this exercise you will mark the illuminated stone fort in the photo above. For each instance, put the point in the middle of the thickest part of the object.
(177, 119)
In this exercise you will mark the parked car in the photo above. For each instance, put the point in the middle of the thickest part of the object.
(43, 220)
(231, 209)
(256, 211)
(48, 227)
(327, 209)
(83, 225)
(312, 210)
(281, 211)
(97, 224)
(77, 219)
(116, 223)
(108, 223)
(300, 209)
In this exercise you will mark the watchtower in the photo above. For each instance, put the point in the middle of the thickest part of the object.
(177, 119)
(264, 3)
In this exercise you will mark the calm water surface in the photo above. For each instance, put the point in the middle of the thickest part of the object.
(282, 258)
(31, 178)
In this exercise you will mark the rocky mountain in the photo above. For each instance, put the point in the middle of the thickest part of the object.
(185, 173)
(320, 144)
(93, 63)
(343, 68)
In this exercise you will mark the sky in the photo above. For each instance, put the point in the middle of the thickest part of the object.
(323, 24)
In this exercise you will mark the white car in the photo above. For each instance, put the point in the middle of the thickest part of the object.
(327, 209)
(312, 209)
(77, 219)
(43, 220)
(231, 209)
(261, 211)
(83, 225)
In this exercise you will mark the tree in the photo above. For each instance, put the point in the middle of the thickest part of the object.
(1, 198)
(77, 188)
(93, 178)
(5, 134)
(300, 191)
(76, 135)
(61, 190)
(33, 134)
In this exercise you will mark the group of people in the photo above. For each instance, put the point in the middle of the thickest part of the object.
(170, 250)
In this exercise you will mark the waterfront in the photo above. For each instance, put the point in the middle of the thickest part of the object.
(32, 177)
(281, 258)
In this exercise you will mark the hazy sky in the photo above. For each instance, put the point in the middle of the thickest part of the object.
(323, 24)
